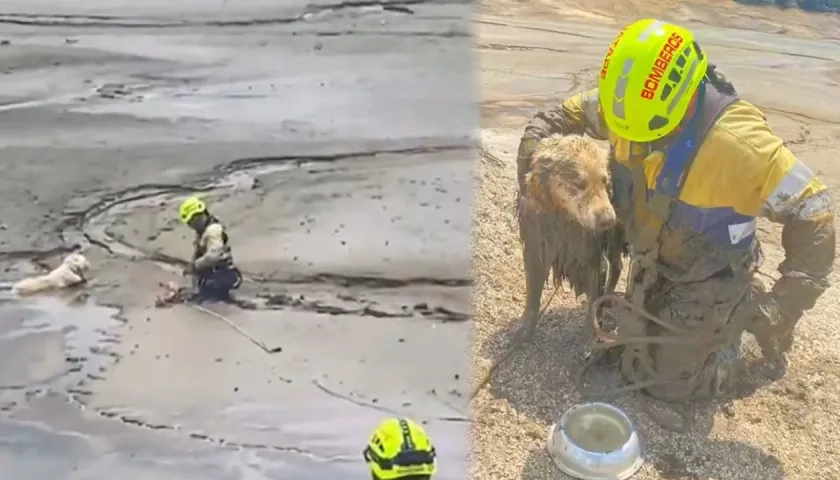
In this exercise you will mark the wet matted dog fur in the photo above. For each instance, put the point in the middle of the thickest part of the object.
(70, 273)
(567, 223)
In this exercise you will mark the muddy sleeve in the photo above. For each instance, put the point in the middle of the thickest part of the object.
(579, 114)
(794, 197)
(214, 247)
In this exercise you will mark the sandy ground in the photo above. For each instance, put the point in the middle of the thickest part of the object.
(787, 428)
(333, 142)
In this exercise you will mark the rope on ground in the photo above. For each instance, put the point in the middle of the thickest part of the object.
(237, 328)
(512, 348)
(608, 341)
(362, 403)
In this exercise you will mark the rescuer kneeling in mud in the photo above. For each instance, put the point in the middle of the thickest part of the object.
(400, 450)
(212, 268)
(693, 168)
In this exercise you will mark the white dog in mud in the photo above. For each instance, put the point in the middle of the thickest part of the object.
(70, 273)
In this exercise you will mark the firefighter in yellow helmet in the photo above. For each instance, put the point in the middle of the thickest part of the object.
(693, 169)
(399, 449)
(212, 268)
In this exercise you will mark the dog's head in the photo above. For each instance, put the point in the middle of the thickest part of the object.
(77, 263)
(569, 176)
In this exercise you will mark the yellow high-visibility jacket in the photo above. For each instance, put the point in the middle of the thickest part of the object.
(741, 172)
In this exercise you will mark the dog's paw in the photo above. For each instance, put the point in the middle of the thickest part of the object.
(80, 298)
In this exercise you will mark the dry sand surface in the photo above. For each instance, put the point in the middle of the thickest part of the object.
(334, 142)
(531, 57)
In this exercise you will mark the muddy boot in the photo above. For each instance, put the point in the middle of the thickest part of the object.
(194, 298)
(243, 303)
(691, 374)
(247, 305)
(725, 371)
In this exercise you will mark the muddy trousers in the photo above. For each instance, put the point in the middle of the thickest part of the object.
(217, 284)
(708, 318)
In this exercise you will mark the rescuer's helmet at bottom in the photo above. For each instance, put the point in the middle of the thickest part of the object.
(400, 450)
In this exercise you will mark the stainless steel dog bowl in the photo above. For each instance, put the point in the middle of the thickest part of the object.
(595, 441)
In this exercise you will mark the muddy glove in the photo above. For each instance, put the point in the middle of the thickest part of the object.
(772, 328)
(780, 310)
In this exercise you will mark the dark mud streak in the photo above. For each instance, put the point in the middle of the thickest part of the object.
(390, 411)
(507, 47)
(450, 34)
(368, 308)
(538, 29)
(322, 278)
(369, 282)
(108, 21)
(797, 116)
(299, 161)
(74, 394)
(76, 390)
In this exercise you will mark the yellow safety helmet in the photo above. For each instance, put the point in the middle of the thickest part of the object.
(190, 207)
(648, 78)
(399, 448)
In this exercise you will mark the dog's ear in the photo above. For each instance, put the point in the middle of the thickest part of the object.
(537, 187)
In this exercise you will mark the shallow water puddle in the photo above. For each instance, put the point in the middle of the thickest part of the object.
(48, 343)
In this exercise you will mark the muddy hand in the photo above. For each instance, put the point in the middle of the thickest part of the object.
(785, 342)
(768, 347)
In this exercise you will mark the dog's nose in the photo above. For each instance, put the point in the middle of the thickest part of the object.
(606, 219)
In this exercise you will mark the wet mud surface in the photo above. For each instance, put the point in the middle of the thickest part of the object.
(334, 142)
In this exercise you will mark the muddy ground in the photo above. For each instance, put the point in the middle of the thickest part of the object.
(533, 54)
(333, 141)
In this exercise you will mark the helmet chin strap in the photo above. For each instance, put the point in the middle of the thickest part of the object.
(692, 107)
(200, 226)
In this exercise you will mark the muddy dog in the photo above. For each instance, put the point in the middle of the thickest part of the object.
(567, 223)
(70, 273)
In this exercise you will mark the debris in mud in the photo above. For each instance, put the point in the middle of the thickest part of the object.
(283, 300)
(80, 298)
(368, 308)
(352, 398)
(113, 91)
(172, 294)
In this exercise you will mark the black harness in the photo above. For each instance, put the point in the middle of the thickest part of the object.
(200, 250)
